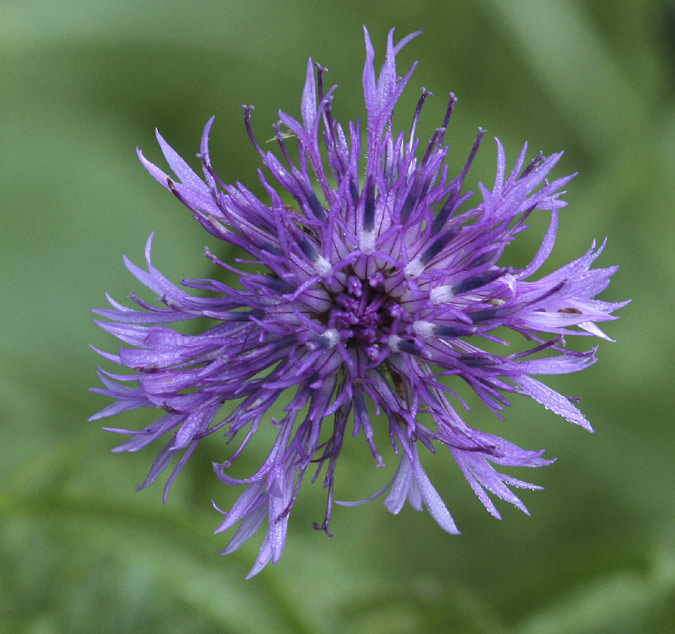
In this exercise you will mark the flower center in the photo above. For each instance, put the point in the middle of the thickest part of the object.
(361, 313)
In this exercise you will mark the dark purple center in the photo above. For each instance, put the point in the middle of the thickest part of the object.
(361, 313)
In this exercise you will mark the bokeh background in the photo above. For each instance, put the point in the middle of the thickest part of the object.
(82, 83)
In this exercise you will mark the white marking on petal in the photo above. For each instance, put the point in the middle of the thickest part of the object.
(393, 342)
(333, 337)
(322, 266)
(441, 294)
(368, 241)
(423, 328)
(414, 267)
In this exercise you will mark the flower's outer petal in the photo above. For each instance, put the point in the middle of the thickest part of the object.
(432, 500)
(400, 485)
(552, 400)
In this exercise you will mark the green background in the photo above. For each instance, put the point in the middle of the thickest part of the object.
(83, 83)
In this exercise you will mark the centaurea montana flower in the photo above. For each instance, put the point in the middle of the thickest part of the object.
(378, 279)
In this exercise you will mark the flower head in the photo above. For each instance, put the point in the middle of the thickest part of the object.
(379, 284)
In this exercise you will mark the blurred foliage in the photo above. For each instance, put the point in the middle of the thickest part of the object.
(85, 82)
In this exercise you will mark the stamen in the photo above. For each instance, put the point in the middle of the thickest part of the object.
(315, 205)
(247, 121)
(411, 199)
(369, 206)
(453, 331)
(472, 155)
(320, 70)
(452, 203)
(280, 136)
(307, 248)
(438, 245)
(533, 163)
(435, 140)
(354, 191)
(448, 113)
(476, 282)
(413, 127)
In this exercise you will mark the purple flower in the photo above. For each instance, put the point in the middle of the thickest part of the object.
(379, 282)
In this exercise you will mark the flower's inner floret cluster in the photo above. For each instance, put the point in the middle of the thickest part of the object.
(362, 315)
(378, 282)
